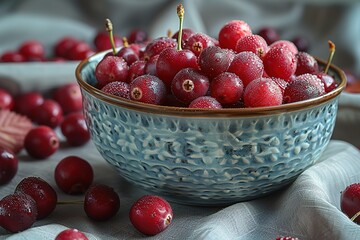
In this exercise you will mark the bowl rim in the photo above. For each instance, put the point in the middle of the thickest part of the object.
(204, 112)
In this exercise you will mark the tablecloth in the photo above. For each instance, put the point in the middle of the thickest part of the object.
(307, 209)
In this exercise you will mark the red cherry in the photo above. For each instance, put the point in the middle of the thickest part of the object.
(48, 113)
(26, 102)
(73, 175)
(328, 81)
(247, 66)
(8, 166)
(32, 50)
(215, 60)
(151, 214)
(102, 41)
(186, 34)
(117, 88)
(270, 34)
(350, 201)
(80, 51)
(231, 32)
(150, 67)
(148, 89)
(157, 45)
(137, 36)
(205, 102)
(198, 42)
(111, 69)
(71, 234)
(69, 97)
(262, 92)
(17, 212)
(75, 130)
(306, 63)
(12, 57)
(189, 84)
(128, 54)
(41, 142)
(136, 69)
(101, 202)
(171, 61)
(253, 43)
(227, 88)
(63, 46)
(6, 100)
(42, 192)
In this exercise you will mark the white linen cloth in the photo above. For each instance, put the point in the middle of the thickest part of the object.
(307, 209)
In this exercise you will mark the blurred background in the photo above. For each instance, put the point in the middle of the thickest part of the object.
(311, 21)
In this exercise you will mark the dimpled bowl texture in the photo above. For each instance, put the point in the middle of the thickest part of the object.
(206, 156)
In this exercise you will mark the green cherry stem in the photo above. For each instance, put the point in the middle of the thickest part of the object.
(331, 55)
(109, 29)
(180, 12)
(355, 216)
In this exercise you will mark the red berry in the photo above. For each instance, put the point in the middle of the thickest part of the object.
(110, 69)
(150, 67)
(189, 84)
(280, 62)
(285, 43)
(301, 43)
(17, 212)
(186, 34)
(12, 57)
(299, 90)
(231, 32)
(102, 41)
(157, 45)
(71, 234)
(75, 130)
(69, 97)
(198, 42)
(306, 63)
(270, 34)
(6, 100)
(32, 50)
(253, 43)
(205, 102)
(151, 214)
(227, 88)
(247, 66)
(73, 175)
(148, 89)
(328, 81)
(101, 202)
(79, 51)
(41, 142)
(26, 102)
(63, 46)
(128, 54)
(120, 89)
(42, 192)
(8, 166)
(49, 113)
(137, 36)
(171, 61)
(262, 92)
(215, 60)
(350, 201)
(136, 69)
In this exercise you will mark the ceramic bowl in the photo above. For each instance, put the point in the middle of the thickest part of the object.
(207, 156)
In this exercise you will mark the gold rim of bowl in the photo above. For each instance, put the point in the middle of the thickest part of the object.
(212, 113)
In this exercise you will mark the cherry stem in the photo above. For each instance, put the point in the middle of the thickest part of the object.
(355, 216)
(331, 55)
(125, 42)
(70, 202)
(109, 29)
(180, 12)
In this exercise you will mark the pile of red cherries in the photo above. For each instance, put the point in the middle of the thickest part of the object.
(195, 70)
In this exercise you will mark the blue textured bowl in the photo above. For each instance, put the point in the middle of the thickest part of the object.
(204, 156)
